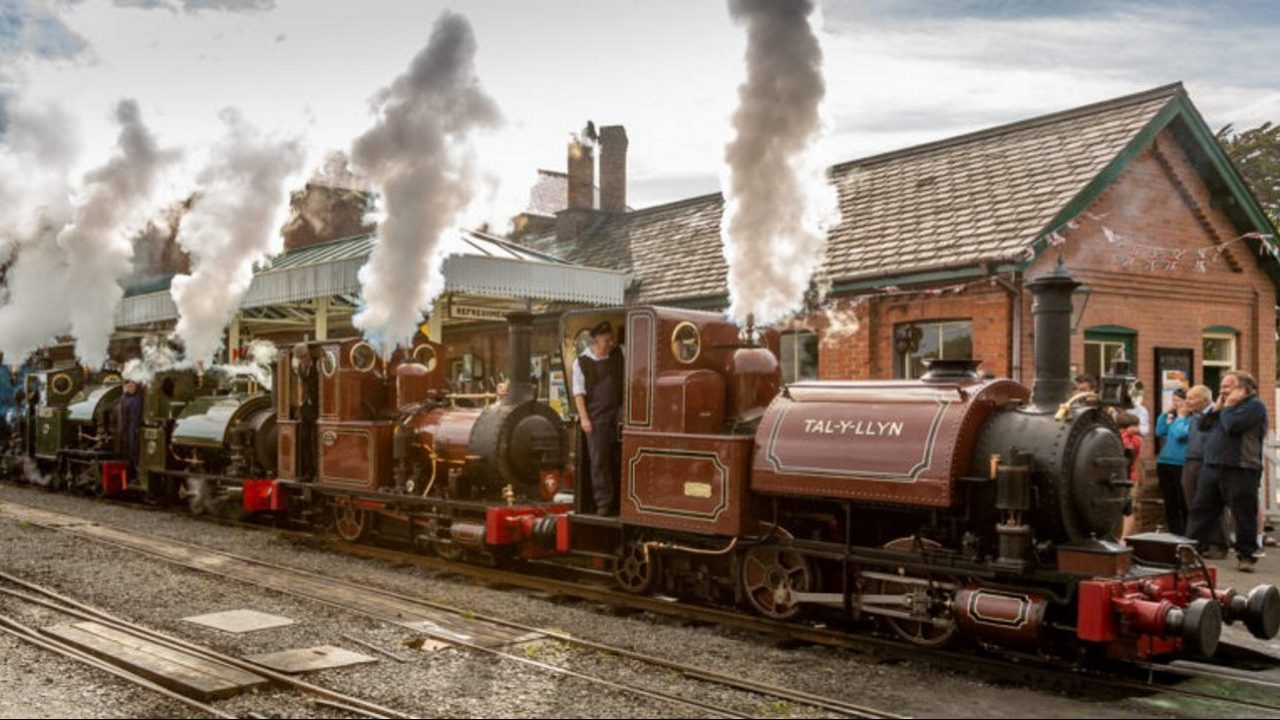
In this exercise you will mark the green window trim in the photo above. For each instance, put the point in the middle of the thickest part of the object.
(1109, 330)
(1221, 330)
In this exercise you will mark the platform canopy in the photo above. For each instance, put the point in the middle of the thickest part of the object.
(483, 269)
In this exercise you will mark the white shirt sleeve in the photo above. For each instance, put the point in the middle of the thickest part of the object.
(579, 379)
(1144, 419)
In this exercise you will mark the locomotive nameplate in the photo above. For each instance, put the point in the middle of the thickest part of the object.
(828, 439)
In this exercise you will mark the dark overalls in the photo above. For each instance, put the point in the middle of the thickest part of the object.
(131, 429)
(604, 402)
(308, 415)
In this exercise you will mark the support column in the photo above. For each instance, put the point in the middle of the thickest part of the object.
(233, 338)
(435, 322)
(322, 318)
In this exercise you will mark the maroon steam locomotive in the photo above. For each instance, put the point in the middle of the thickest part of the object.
(949, 507)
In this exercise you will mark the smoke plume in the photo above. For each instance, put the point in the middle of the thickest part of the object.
(158, 355)
(97, 246)
(420, 157)
(233, 224)
(778, 204)
(65, 276)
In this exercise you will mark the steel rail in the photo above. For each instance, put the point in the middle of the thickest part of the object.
(75, 608)
(692, 671)
(1046, 675)
(18, 630)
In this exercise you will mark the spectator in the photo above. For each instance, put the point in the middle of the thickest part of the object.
(1199, 398)
(1174, 426)
(1086, 383)
(1127, 422)
(1235, 428)
(1136, 394)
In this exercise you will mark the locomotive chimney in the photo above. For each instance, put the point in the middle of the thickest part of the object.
(1052, 312)
(519, 345)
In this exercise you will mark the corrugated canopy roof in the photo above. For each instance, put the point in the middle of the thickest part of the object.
(476, 263)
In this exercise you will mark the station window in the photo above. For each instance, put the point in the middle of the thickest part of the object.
(916, 342)
(799, 355)
(1219, 357)
(1102, 345)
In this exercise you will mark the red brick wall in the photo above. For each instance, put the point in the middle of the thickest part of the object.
(1158, 200)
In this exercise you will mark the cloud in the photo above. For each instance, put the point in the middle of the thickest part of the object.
(195, 6)
(29, 28)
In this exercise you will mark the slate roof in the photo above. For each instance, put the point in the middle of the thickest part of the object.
(978, 197)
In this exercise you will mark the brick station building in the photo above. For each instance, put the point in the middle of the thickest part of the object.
(937, 242)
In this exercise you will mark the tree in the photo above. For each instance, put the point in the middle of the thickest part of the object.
(1256, 154)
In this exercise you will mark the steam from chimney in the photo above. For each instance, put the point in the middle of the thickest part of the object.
(235, 222)
(97, 245)
(65, 276)
(778, 204)
(37, 146)
(420, 156)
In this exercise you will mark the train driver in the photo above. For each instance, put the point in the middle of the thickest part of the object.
(308, 410)
(131, 424)
(597, 394)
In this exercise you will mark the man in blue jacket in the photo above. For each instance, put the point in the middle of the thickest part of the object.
(1235, 428)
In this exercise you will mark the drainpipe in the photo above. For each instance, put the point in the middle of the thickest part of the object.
(1014, 288)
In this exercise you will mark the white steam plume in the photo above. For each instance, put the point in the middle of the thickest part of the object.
(158, 355)
(778, 204)
(235, 222)
(97, 244)
(37, 148)
(257, 363)
(65, 276)
(419, 156)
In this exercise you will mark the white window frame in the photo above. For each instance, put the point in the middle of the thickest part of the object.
(940, 325)
(793, 362)
(1232, 343)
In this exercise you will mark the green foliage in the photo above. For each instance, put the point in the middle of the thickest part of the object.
(1256, 154)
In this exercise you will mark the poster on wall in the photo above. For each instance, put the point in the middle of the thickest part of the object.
(559, 394)
(1175, 368)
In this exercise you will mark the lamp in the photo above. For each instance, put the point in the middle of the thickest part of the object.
(1078, 306)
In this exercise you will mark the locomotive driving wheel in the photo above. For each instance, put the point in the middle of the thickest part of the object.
(350, 522)
(770, 576)
(636, 567)
(936, 624)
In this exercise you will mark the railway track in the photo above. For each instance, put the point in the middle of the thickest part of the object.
(424, 616)
(1247, 693)
(37, 595)
(1202, 688)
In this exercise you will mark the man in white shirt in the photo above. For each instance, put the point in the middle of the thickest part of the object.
(597, 395)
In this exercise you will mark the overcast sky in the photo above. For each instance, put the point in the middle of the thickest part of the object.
(898, 73)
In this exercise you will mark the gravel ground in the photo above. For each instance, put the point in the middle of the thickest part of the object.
(456, 682)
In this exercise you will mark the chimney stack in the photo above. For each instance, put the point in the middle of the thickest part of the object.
(582, 175)
(581, 210)
(613, 169)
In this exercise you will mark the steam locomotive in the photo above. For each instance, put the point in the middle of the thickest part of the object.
(952, 507)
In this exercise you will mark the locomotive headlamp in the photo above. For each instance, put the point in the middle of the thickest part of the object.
(1115, 388)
